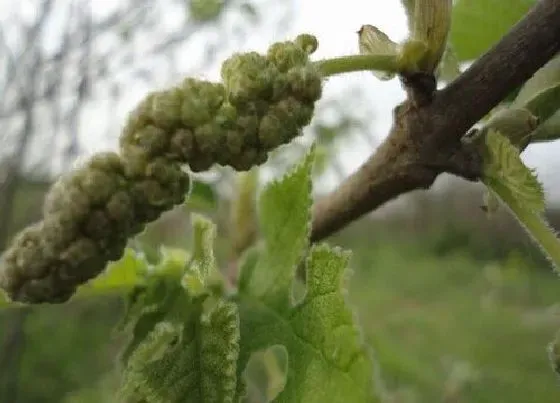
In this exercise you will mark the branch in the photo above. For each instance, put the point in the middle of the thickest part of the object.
(425, 138)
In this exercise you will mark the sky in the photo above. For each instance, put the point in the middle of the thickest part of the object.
(335, 23)
(335, 26)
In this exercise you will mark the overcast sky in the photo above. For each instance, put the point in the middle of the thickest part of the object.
(336, 25)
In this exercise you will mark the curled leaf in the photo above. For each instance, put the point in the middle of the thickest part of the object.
(546, 102)
(514, 123)
(548, 130)
(449, 68)
(373, 41)
(547, 76)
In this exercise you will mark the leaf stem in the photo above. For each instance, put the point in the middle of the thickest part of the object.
(353, 63)
(535, 225)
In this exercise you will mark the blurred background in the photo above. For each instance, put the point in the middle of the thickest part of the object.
(458, 306)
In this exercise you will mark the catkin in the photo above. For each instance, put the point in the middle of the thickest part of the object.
(264, 101)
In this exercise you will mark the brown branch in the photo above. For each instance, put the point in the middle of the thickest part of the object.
(425, 138)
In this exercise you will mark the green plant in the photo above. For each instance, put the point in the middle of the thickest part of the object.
(193, 334)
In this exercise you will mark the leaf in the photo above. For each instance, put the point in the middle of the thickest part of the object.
(479, 24)
(515, 123)
(319, 335)
(184, 342)
(449, 67)
(547, 131)
(373, 41)
(202, 196)
(541, 95)
(284, 218)
(265, 373)
(545, 103)
(546, 77)
(327, 359)
(124, 273)
(503, 165)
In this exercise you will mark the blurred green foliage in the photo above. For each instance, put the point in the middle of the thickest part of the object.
(446, 326)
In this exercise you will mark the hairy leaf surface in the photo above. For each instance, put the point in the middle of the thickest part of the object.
(327, 360)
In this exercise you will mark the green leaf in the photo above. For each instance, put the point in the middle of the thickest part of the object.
(541, 95)
(503, 165)
(284, 217)
(184, 342)
(546, 77)
(515, 123)
(319, 334)
(202, 196)
(479, 24)
(122, 274)
(327, 359)
(449, 67)
(547, 131)
(373, 41)
(265, 373)
(203, 274)
(545, 103)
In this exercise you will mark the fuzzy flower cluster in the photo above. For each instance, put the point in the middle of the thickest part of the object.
(264, 101)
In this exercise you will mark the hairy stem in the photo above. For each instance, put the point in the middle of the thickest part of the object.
(543, 235)
(353, 63)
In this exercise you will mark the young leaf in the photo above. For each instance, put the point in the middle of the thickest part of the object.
(547, 76)
(202, 196)
(373, 41)
(185, 339)
(545, 103)
(515, 123)
(502, 164)
(124, 273)
(548, 130)
(284, 217)
(327, 360)
(449, 68)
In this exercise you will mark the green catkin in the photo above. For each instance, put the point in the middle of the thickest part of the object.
(89, 215)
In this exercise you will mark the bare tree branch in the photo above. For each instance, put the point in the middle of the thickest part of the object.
(26, 101)
(425, 139)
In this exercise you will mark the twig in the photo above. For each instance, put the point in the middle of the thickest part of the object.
(425, 138)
